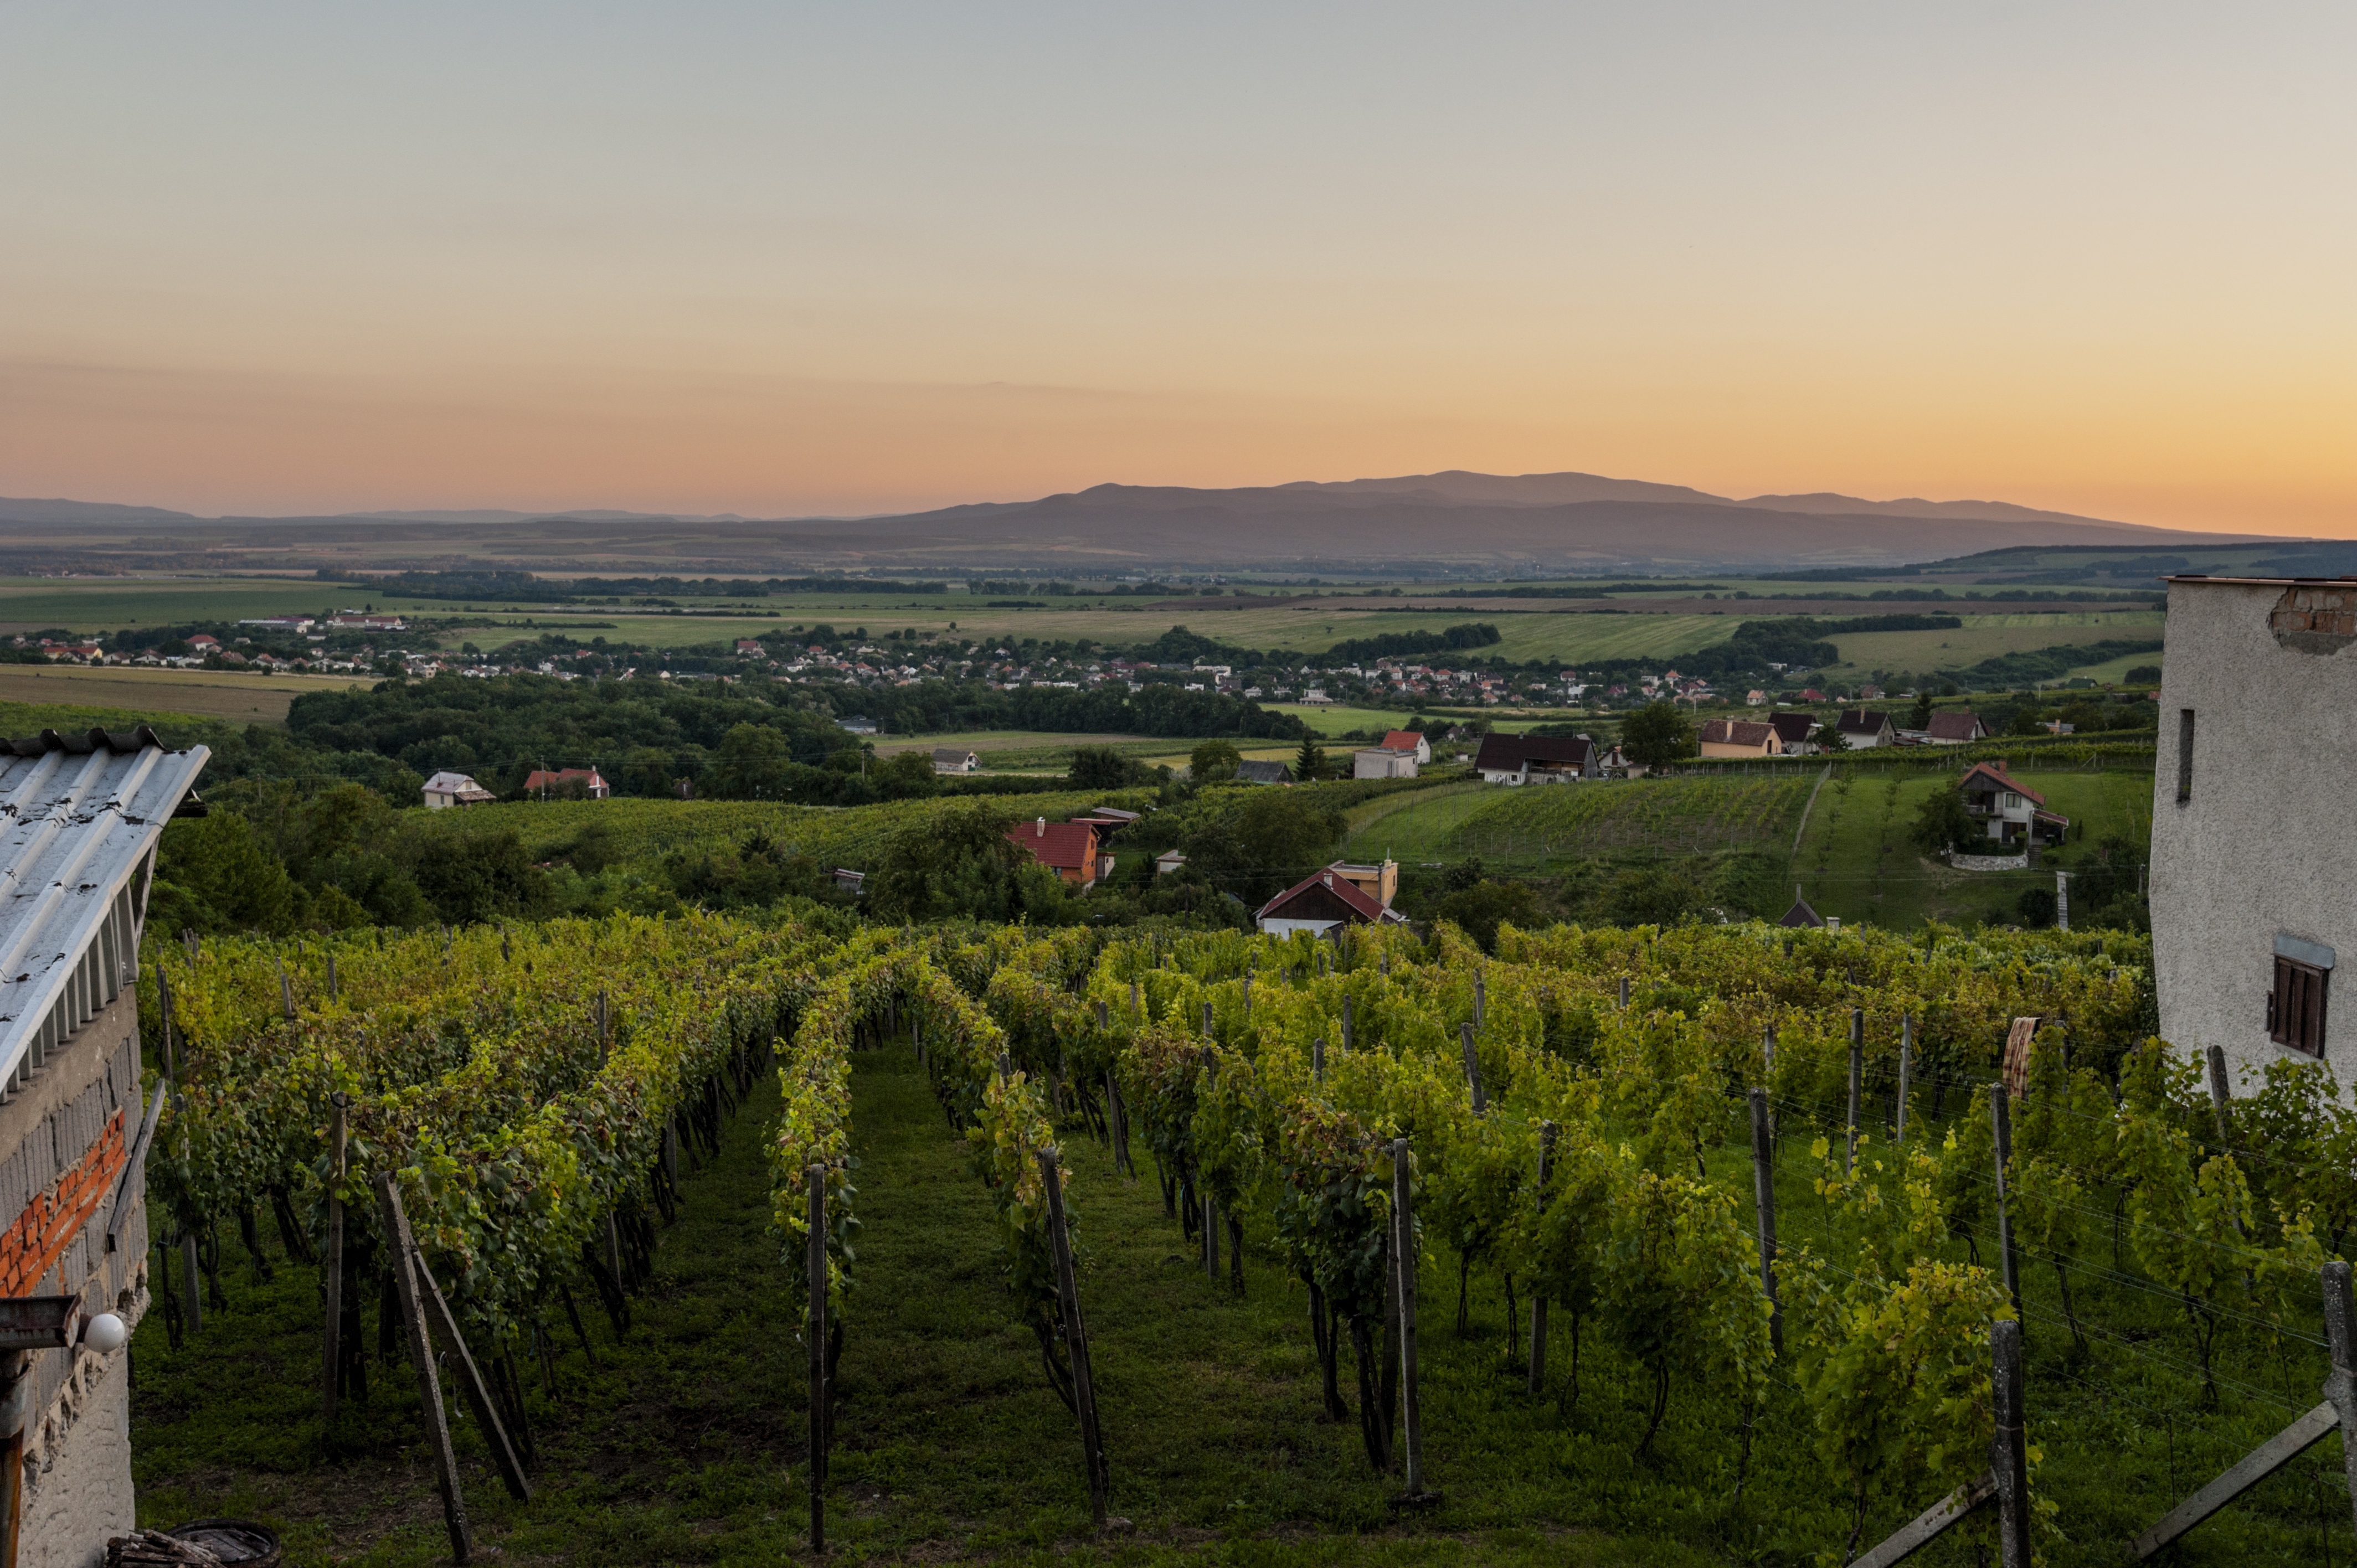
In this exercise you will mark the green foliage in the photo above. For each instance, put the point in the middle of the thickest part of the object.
(1658, 732)
(1943, 823)
(1213, 762)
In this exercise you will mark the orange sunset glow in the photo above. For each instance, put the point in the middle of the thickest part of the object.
(788, 262)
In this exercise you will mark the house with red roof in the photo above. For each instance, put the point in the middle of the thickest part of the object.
(1327, 900)
(2015, 813)
(1073, 851)
(1407, 740)
(583, 783)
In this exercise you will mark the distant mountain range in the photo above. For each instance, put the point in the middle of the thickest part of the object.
(1454, 521)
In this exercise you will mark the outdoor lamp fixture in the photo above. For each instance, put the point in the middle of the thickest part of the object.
(31, 1323)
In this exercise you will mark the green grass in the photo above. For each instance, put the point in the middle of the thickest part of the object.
(1856, 860)
(645, 831)
(1984, 637)
(1533, 826)
(1422, 827)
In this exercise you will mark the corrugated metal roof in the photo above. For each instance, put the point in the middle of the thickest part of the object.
(80, 815)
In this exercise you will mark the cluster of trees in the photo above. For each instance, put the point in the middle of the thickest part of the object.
(755, 740)
(283, 859)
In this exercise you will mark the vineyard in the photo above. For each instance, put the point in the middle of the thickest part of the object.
(1680, 816)
(1716, 1233)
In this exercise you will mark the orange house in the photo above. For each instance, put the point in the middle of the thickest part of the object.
(1071, 850)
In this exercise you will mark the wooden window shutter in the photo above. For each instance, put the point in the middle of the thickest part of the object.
(2295, 1006)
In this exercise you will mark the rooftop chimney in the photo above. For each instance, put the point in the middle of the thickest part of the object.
(1043, 827)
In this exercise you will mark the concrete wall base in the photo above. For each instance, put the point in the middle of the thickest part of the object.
(77, 1489)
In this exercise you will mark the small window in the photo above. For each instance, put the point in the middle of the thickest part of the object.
(2184, 755)
(2296, 1005)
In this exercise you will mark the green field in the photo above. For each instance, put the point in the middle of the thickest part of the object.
(199, 693)
(1984, 637)
(1534, 826)
(1856, 860)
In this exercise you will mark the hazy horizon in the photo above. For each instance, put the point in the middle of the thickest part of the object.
(793, 262)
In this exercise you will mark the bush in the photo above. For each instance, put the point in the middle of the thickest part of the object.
(2035, 906)
(2142, 675)
(1944, 825)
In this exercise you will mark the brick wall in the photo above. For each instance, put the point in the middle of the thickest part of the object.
(52, 1220)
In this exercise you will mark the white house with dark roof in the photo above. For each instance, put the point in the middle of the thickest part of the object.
(1535, 758)
(446, 789)
(2254, 797)
(2015, 814)
(1864, 728)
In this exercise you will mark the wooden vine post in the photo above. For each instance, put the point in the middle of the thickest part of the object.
(1763, 1186)
(1856, 1077)
(1547, 1131)
(2221, 1096)
(1473, 1070)
(2009, 1447)
(1411, 1407)
(1347, 1043)
(333, 1350)
(1076, 1340)
(815, 1177)
(2009, 1256)
(190, 1286)
(421, 1355)
(1906, 1071)
(2005, 1483)
(1318, 1059)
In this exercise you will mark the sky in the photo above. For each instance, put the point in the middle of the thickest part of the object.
(781, 259)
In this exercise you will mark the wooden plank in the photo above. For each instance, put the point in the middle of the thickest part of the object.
(470, 1378)
(1903, 1542)
(2255, 1467)
(1076, 1341)
(429, 1383)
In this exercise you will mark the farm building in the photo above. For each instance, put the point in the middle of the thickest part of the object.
(1794, 733)
(1327, 900)
(571, 783)
(1535, 758)
(81, 850)
(954, 760)
(1862, 729)
(2251, 860)
(1740, 737)
(446, 789)
(1954, 729)
(1380, 762)
(1072, 850)
(1264, 772)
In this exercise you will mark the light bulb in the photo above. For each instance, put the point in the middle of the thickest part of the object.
(104, 1334)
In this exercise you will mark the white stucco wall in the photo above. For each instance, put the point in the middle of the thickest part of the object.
(2266, 844)
(80, 1495)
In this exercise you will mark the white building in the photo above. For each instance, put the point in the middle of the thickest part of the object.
(1535, 758)
(952, 759)
(2253, 860)
(1379, 762)
(446, 789)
